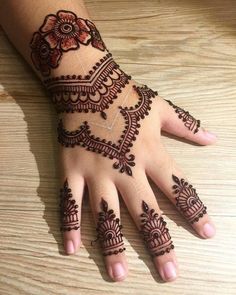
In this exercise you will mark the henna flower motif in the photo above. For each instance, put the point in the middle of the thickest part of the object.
(65, 30)
(96, 39)
(43, 57)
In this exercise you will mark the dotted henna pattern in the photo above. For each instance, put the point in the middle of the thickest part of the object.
(69, 209)
(187, 200)
(132, 116)
(154, 232)
(94, 91)
(109, 231)
(189, 121)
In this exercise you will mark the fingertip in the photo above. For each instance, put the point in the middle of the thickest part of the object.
(167, 266)
(205, 227)
(209, 230)
(206, 137)
(117, 267)
(69, 247)
(71, 242)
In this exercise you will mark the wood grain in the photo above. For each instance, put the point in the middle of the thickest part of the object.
(186, 50)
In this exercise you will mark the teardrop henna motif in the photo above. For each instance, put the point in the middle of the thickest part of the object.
(189, 121)
(92, 92)
(155, 234)
(109, 231)
(69, 209)
(119, 151)
(187, 200)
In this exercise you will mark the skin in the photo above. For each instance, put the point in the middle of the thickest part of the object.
(82, 167)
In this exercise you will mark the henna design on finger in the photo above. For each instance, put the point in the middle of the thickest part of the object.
(61, 33)
(109, 231)
(189, 121)
(120, 150)
(187, 200)
(94, 91)
(69, 209)
(154, 231)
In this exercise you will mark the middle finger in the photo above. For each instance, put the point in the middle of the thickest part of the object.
(142, 205)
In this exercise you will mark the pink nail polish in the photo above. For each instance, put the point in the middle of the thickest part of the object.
(118, 270)
(209, 230)
(169, 271)
(210, 135)
(70, 247)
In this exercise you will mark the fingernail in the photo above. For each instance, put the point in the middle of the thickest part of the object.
(70, 247)
(210, 135)
(169, 271)
(118, 271)
(209, 230)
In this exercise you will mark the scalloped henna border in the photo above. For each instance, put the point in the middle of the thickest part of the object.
(132, 115)
(64, 87)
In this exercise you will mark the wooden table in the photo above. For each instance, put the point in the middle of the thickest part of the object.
(187, 51)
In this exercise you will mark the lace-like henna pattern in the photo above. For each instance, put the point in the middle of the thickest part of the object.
(92, 92)
(69, 209)
(119, 151)
(109, 231)
(189, 121)
(61, 33)
(155, 234)
(187, 200)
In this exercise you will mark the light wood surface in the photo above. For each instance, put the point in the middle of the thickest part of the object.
(187, 51)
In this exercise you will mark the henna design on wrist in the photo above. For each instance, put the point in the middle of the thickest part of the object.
(187, 200)
(69, 209)
(119, 151)
(92, 92)
(109, 231)
(189, 121)
(154, 231)
(61, 33)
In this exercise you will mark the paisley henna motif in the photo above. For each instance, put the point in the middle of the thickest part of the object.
(69, 209)
(187, 200)
(109, 231)
(189, 121)
(94, 91)
(132, 116)
(154, 231)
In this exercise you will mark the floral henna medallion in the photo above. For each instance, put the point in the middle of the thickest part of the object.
(189, 121)
(155, 234)
(92, 92)
(119, 151)
(69, 209)
(109, 231)
(61, 33)
(187, 200)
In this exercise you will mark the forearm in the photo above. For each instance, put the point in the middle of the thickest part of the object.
(54, 43)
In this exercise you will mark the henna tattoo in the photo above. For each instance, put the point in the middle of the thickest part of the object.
(189, 121)
(132, 115)
(96, 39)
(69, 209)
(43, 57)
(109, 231)
(187, 200)
(155, 234)
(92, 92)
(61, 33)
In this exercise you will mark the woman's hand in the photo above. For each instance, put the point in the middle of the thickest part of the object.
(109, 133)
(113, 145)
